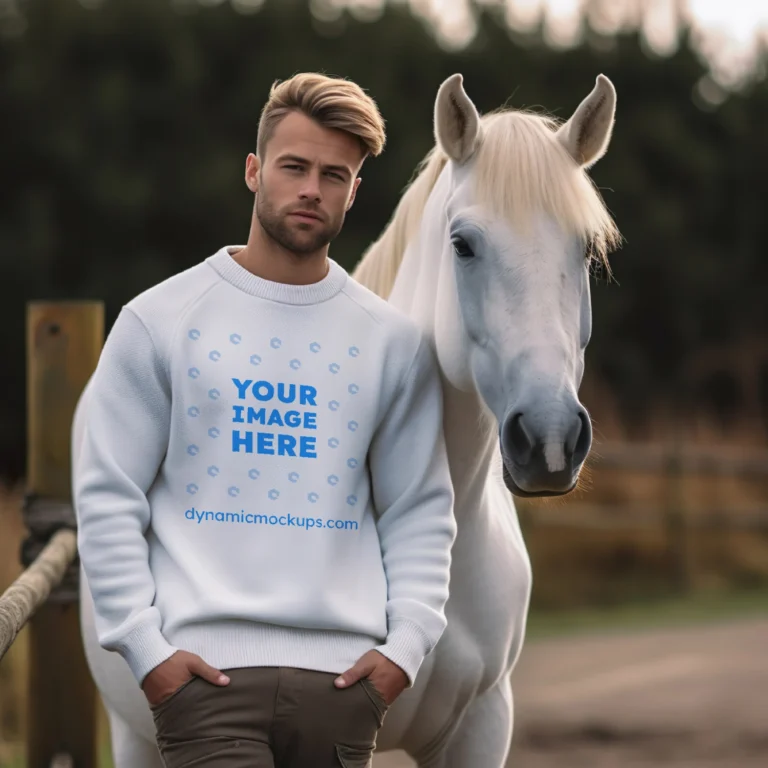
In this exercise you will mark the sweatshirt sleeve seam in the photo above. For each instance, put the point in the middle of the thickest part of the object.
(403, 384)
(361, 306)
(152, 342)
(185, 311)
(407, 380)
(186, 308)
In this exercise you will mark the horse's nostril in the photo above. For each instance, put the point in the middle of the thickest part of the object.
(517, 443)
(583, 441)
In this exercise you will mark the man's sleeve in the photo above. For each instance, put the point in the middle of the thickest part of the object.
(125, 437)
(413, 496)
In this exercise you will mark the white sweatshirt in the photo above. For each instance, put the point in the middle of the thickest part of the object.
(263, 478)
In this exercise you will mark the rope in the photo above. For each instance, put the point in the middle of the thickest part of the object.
(20, 601)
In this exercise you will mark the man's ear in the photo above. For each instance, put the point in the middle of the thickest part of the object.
(252, 168)
(352, 195)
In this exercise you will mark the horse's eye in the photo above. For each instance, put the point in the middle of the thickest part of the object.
(461, 248)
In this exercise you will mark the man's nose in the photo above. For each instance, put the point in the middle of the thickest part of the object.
(310, 189)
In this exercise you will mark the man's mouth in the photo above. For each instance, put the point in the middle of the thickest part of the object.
(306, 215)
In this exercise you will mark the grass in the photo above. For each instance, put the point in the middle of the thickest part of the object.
(642, 615)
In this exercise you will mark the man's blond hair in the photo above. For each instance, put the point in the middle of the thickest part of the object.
(330, 101)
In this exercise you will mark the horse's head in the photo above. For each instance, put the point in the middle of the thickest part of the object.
(521, 221)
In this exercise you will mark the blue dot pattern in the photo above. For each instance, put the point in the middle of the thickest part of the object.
(295, 364)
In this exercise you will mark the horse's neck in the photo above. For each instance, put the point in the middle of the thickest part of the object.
(469, 432)
(470, 442)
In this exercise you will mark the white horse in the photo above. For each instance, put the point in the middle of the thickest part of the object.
(489, 252)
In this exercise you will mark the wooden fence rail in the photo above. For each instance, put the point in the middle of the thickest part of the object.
(673, 511)
(665, 457)
(22, 599)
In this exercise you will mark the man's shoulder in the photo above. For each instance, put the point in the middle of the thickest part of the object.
(176, 288)
(162, 305)
(391, 319)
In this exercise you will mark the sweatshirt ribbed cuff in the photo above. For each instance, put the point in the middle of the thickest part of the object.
(144, 648)
(407, 645)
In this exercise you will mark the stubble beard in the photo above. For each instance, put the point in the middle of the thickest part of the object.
(294, 236)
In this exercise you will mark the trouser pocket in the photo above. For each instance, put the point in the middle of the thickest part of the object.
(167, 701)
(376, 698)
(338, 727)
(218, 726)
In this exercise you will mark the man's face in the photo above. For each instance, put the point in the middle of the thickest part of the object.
(305, 183)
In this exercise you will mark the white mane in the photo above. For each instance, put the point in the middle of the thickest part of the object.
(520, 169)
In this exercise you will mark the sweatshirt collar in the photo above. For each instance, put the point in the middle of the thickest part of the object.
(286, 293)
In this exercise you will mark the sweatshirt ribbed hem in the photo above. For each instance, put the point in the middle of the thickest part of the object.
(286, 293)
(235, 644)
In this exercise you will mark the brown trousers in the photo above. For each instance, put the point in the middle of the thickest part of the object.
(269, 717)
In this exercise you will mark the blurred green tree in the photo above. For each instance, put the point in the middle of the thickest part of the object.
(124, 128)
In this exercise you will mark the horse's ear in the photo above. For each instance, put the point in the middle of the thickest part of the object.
(587, 134)
(457, 123)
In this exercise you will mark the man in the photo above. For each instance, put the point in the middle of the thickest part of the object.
(265, 508)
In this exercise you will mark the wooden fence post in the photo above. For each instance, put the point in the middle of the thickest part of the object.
(64, 340)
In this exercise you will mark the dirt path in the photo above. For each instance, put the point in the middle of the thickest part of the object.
(694, 697)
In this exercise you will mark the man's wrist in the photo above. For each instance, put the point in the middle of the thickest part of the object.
(407, 646)
(144, 648)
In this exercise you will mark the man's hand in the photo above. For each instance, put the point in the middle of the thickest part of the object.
(387, 678)
(168, 677)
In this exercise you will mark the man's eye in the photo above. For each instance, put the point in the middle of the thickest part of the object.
(336, 176)
(293, 167)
